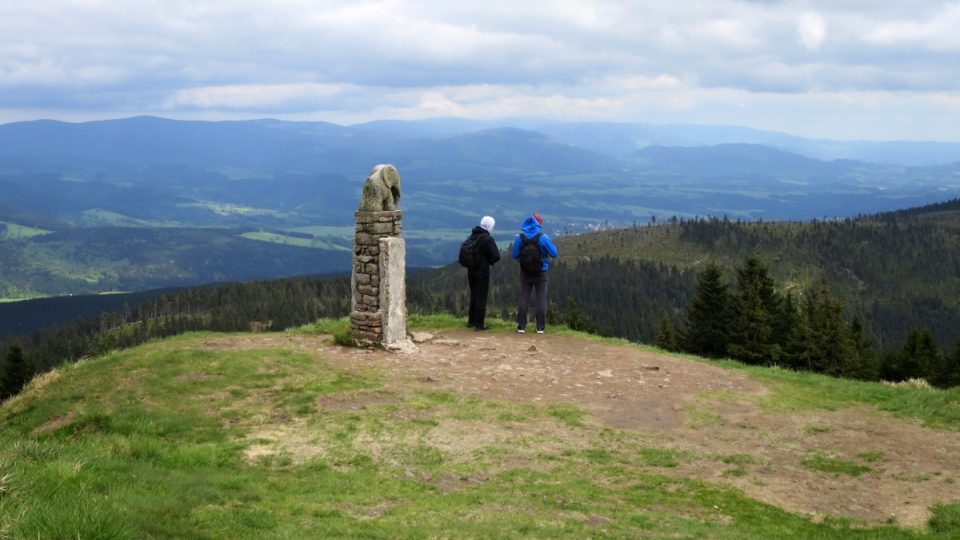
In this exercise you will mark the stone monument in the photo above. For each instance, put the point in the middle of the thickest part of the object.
(378, 309)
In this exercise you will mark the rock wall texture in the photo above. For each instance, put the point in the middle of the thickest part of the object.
(378, 313)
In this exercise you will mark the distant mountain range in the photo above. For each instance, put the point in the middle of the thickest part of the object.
(152, 139)
(295, 185)
(623, 139)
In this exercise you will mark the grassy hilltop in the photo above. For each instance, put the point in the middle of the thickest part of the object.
(288, 436)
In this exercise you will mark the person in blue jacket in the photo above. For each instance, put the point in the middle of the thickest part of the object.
(533, 276)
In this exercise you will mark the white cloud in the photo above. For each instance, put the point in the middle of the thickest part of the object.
(587, 59)
(251, 96)
(727, 32)
(644, 82)
(812, 30)
(947, 101)
(940, 31)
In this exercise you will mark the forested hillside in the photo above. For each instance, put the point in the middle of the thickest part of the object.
(897, 270)
(81, 261)
(255, 306)
(606, 295)
(893, 279)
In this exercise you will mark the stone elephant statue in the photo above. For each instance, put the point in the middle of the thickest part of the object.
(381, 190)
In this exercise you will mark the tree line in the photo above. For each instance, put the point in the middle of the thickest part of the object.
(894, 275)
(751, 321)
(255, 306)
(605, 295)
(581, 293)
(898, 270)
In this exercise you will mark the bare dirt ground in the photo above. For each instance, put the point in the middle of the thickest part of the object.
(703, 411)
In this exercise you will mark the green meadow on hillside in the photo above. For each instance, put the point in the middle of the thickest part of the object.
(172, 440)
(13, 231)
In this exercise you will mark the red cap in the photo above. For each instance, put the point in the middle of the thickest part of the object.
(538, 218)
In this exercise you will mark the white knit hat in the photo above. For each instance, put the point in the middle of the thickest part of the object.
(487, 223)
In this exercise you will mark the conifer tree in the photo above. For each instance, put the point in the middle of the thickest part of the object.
(577, 319)
(864, 364)
(949, 374)
(17, 372)
(707, 331)
(793, 334)
(667, 338)
(831, 350)
(919, 358)
(756, 311)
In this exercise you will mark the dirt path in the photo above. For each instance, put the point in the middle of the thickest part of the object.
(712, 415)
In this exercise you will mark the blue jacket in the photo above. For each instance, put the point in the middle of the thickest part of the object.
(530, 229)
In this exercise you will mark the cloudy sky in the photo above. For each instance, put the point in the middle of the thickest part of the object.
(864, 69)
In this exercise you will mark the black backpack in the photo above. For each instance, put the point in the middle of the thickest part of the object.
(470, 251)
(531, 260)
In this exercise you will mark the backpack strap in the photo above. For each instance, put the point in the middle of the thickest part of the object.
(533, 240)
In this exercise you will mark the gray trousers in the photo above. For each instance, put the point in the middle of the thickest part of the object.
(527, 284)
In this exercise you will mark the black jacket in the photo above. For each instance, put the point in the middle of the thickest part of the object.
(489, 252)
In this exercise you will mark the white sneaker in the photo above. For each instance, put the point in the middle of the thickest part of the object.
(539, 331)
(521, 331)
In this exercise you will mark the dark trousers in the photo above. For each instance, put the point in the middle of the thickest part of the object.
(527, 285)
(479, 287)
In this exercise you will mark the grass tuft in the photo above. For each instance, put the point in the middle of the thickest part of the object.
(945, 518)
(569, 415)
(824, 463)
(322, 326)
(872, 456)
(656, 457)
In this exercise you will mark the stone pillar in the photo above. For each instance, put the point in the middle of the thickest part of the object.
(393, 290)
(378, 311)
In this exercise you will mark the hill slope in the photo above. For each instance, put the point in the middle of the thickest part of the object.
(897, 270)
(280, 435)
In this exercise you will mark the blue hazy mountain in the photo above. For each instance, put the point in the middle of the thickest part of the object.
(295, 185)
(625, 139)
(285, 174)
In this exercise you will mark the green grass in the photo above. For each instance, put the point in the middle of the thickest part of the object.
(568, 414)
(13, 231)
(275, 238)
(180, 439)
(797, 391)
(322, 326)
(98, 216)
(872, 456)
(946, 518)
(813, 429)
(656, 457)
(739, 459)
(699, 417)
(828, 464)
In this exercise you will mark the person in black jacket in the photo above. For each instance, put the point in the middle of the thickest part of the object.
(478, 276)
